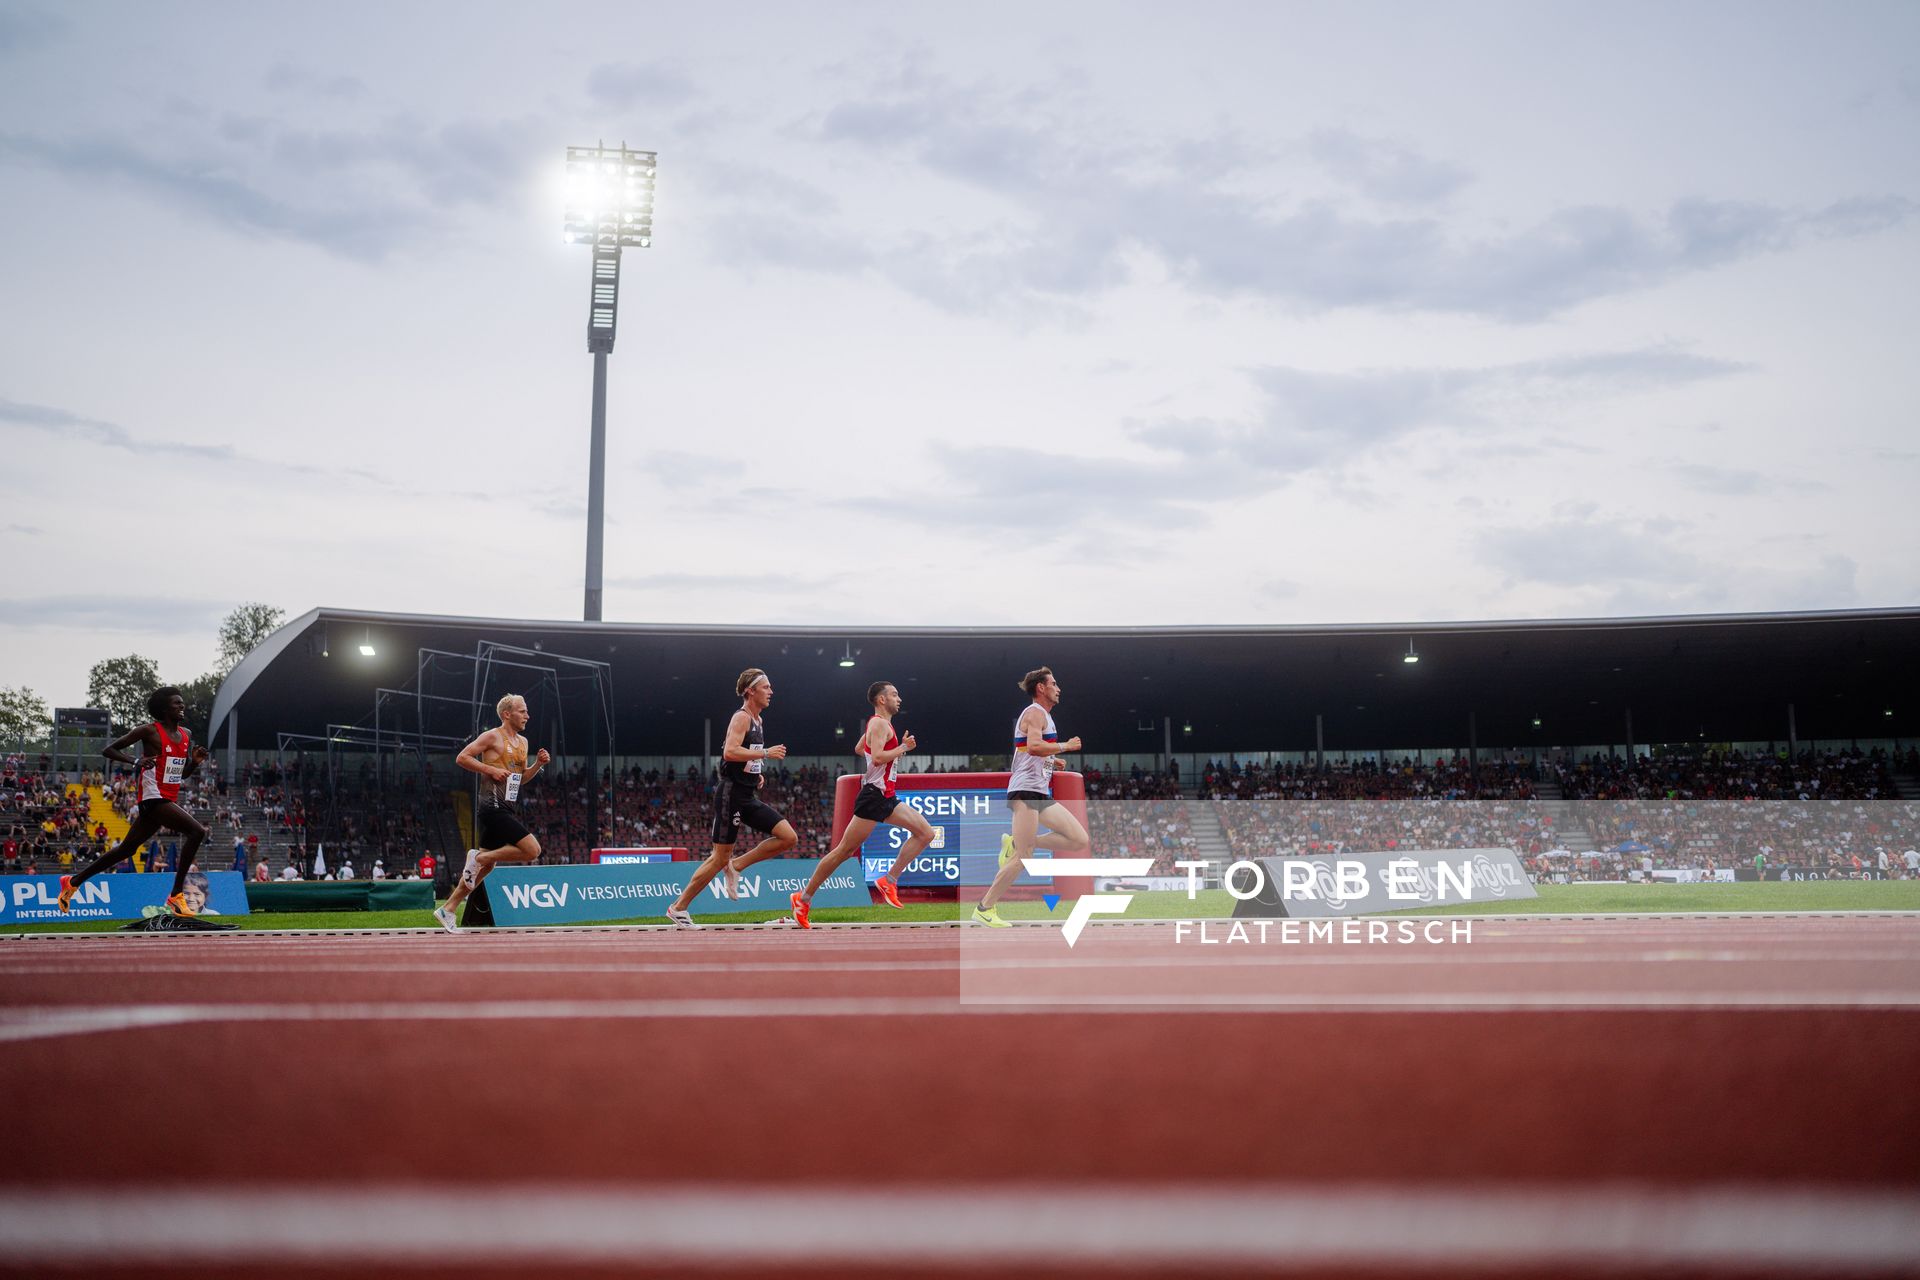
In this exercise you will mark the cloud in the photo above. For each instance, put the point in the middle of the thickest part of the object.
(1588, 553)
(1727, 481)
(22, 29)
(111, 435)
(112, 612)
(362, 232)
(1311, 419)
(1385, 170)
(293, 78)
(619, 85)
(1622, 566)
(675, 467)
(31, 531)
(1309, 422)
(357, 193)
(1075, 209)
(759, 583)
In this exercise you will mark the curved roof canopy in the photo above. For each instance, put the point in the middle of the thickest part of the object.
(1717, 678)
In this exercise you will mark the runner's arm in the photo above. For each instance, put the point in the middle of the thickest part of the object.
(1034, 721)
(877, 749)
(115, 750)
(469, 757)
(735, 748)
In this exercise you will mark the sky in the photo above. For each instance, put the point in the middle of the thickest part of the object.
(994, 314)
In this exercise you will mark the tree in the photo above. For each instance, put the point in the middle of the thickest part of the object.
(24, 717)
(120, 687)
(242, 630)
(200, 695)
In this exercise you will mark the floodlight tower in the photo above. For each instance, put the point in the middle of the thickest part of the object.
(610, 208)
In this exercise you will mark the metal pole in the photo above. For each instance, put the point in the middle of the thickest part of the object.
(596, 485)
(1319, 746)
(1629, 735)
(1793, 735)
(593, 767)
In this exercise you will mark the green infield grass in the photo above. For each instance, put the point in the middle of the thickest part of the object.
(1554, 899)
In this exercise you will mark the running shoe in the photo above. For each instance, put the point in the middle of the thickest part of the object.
(682, 918)
(889, 892)
(801, 910)
(470, 874)
(447, 922)
(733, 882)
(990, 916)
(177, 904)
(66, 894)
(1006, 849)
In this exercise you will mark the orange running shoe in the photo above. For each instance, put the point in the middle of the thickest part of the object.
(889, 892)
(800, 909)
(66, 894)
(177, 903)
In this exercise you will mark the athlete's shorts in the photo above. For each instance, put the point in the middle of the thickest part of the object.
(500, 827)
(147, 806)
(1038, 801)
(735, 806)
(874, 805)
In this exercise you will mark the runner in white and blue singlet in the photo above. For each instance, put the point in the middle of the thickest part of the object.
(1036, 754)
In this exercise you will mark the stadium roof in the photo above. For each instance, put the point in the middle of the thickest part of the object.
(1242, 688)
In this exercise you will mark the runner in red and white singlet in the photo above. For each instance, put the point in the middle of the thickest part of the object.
(167, 759)
(875, 804)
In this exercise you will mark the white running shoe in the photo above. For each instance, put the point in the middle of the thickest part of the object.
(470, 874)
(733, 883)
(447, 922)
(682, 919)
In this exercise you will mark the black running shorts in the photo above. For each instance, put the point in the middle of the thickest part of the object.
(1038, 801)
(874, 805)
(735, 807)
(500, 827)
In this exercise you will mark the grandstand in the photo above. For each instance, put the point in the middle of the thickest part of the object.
(1202, 741)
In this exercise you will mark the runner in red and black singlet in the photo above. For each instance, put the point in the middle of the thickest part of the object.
(167, 759)
(875, 804)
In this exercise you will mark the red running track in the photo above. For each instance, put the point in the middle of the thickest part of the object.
(1710, 1096)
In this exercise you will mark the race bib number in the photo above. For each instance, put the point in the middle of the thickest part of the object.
(757, 765)
(175, 770)
(513, 787)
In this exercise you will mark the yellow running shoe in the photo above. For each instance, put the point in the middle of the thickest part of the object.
(1006, 849)
(990, 916)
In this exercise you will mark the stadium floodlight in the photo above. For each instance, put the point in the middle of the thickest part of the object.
(1411, 657)
(609, 207)
(847, 661)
